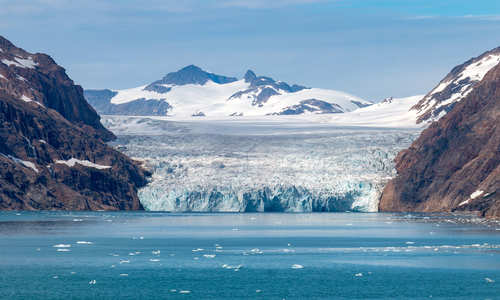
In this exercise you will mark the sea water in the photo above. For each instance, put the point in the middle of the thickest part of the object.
(146, 255)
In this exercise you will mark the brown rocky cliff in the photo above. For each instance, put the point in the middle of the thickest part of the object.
(38, 77)
(44, 122)
(454, 160)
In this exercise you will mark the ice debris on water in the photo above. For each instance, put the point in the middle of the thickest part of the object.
(489, 280)
(62, 246)
(297, 266)
(93, 281)
(358, 275)
(229, 267)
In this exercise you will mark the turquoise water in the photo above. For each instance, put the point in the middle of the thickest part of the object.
(141, 255)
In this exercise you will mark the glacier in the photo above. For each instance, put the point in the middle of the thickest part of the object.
(280, 165)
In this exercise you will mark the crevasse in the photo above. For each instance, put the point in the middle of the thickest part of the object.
(238, 167)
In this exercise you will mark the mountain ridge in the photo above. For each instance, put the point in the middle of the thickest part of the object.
(455, 163)
(53, 151)
(192, 90)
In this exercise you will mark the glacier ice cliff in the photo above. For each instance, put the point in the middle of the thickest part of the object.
(255, 167)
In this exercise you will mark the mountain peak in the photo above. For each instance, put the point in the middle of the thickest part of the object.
(189, 75)
(250, 76)
(191, 68)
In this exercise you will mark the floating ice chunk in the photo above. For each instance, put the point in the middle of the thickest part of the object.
(184, 292)
(72, 161)
(156, 252)
(358, 275)
(84, 243)
(209, 255)
(124, 261)
(489, 280)
(256, 251)
(63, 250)
(62, 246)
(123, 274)
(229, 267)
(410, 243)
(296, 266)
(154, 260)
(55, 277)
(197, 250)
(92, 282)
(258, 291)
(77, 220)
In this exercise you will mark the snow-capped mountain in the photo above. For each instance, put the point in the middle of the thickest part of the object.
(193, 92)
(455, 86)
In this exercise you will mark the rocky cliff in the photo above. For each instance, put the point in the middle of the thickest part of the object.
(455, 163)
(53, 153)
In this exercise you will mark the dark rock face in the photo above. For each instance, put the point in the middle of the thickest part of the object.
(101, 101)
(53, 153)
(314, 106)
(262, 88)
(455, 163)
(39, 78)
(189, 75)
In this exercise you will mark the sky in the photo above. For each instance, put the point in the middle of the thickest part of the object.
(370, 48)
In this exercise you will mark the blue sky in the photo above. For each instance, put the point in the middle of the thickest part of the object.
(371, 48)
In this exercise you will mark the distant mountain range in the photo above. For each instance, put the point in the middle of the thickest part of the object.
(193, 92)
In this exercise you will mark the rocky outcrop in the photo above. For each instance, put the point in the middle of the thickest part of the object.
(312, 106)
(455, 163)
(262, 88)
(53, 153)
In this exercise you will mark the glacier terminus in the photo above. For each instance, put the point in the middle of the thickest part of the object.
(278, 165)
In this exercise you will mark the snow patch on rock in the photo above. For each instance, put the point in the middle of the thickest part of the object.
(71, 163)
